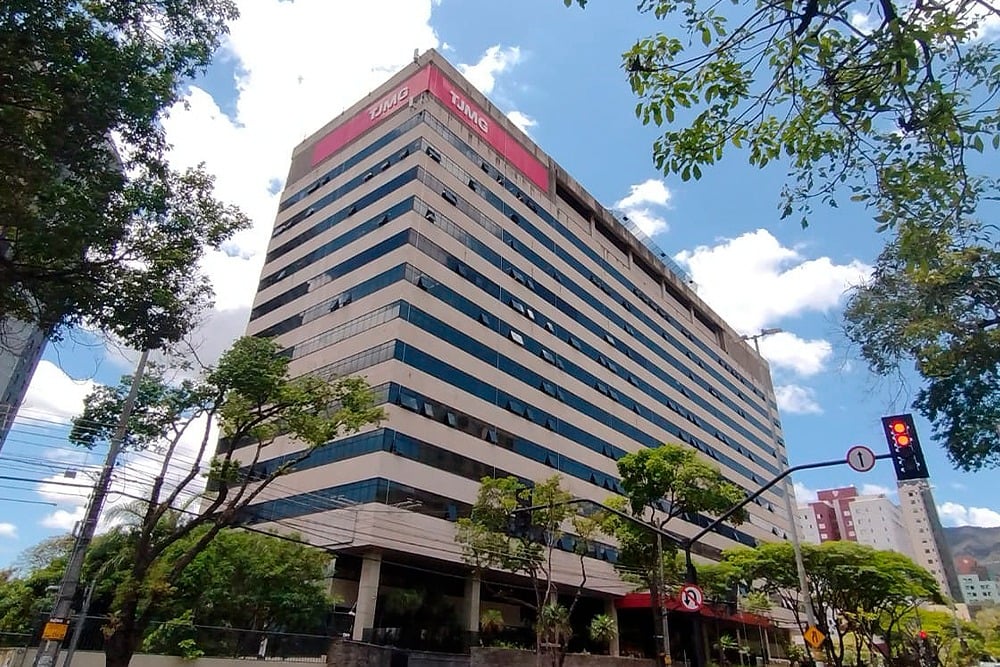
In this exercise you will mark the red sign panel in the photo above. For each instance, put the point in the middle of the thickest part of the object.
(432, 79)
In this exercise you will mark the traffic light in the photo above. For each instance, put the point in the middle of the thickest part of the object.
(904, 446)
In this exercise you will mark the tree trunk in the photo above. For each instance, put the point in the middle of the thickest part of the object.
(120, 645)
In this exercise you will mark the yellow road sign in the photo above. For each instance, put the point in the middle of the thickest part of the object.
(813, 636)
(55, 631)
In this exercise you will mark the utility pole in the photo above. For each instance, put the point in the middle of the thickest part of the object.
(800, 564)
(81, 619)
(55, 629)
(662, 602)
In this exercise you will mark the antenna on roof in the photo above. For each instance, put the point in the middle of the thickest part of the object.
(416, 54)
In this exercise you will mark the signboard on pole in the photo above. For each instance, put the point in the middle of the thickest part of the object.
(813, 636)
(692, 597)
(55, 631)
(860, 458)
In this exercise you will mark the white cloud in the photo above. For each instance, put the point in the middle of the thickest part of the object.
(496, 60)
(804, 494)
(132, 479)
(62, 519)
(953, 514)
(321, 57)
(8, 530)
(876, 490)
(796, 400)
(523, 121)
(754, 282)
(641, 203)
(863, 22)
(786, 350)
(53, 396)
(651, 191)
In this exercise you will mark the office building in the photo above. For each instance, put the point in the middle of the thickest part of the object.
(21, 347)
(843, 514)
(510, 324)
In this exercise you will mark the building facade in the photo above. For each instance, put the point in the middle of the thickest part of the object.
(976, 590)
(21, 347)
(923, 525)
(510, 325)
(843, 514)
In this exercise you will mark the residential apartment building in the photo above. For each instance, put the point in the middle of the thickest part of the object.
(976, 590)
(923, 525)
(843, 514)
(510, 325)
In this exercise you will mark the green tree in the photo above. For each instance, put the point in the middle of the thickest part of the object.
(244, 580)
(488, 543)
(987, 620)
(883, 102)
(254, 401)
(602, 630)
(949, 648)
(88, 234)
(27, 591)
(870, 592)
(660, 485)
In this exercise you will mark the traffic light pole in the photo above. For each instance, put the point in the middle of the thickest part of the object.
(691, 573)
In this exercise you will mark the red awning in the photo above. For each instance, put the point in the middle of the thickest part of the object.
(643, 601)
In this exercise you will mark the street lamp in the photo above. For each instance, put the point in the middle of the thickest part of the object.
(763, 332)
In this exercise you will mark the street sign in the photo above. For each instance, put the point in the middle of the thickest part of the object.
(692, 597)
(55, 631)
(813, 636)
(861, 459)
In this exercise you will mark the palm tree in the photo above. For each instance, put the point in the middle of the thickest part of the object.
(603, 630)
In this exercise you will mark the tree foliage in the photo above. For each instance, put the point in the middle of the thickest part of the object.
(242, 580)
(660, 485)
(251, 396)
(951, 641)
(493, 537)
(88, 234)
(889, 103)
(26, 591)
(870, 593)
(941, 312)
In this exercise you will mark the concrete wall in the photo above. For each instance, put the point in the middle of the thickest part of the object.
(502, 657)
(346, 654)
(358, 654)
(25, 657)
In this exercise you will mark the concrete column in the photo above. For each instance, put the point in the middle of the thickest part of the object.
(472, 588)
(364, 612)
(612, 611)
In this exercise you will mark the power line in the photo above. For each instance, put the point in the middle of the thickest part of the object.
(30, 502)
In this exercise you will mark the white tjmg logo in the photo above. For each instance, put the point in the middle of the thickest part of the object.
(469, 112)
(389, 103)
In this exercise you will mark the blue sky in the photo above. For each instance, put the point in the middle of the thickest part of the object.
(289, 66)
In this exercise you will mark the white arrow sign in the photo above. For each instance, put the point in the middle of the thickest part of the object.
(860, 458)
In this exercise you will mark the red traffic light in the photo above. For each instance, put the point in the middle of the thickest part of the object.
(922, 634)
(904, 447)
(900, 433)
